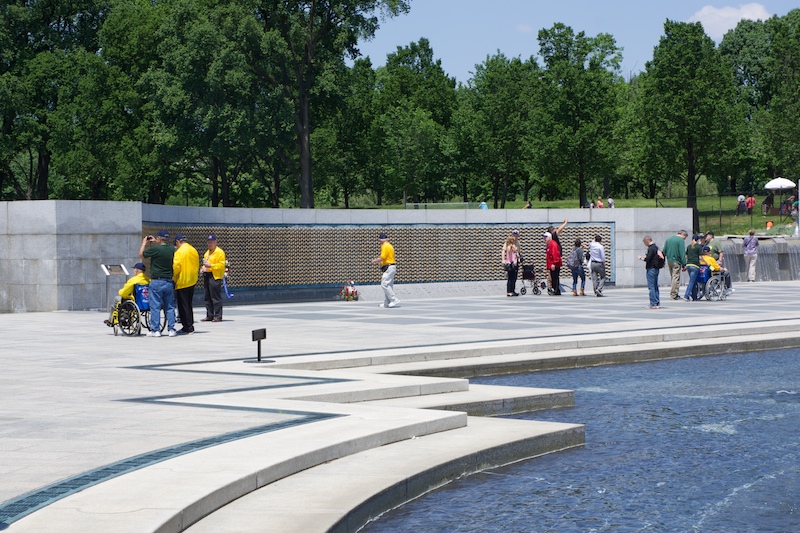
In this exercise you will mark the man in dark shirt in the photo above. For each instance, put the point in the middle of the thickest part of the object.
(162, 295)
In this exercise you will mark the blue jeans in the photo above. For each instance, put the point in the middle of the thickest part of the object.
(691, 288)
(652, 285)
(162, 295)
(578, 272)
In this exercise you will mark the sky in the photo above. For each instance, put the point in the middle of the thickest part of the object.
(463, 33)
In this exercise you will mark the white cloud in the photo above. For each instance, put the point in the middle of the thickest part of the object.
(718, 20)
(523, 28)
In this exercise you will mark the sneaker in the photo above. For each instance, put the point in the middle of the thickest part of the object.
(729, 292)
(154, 334)
(185, 331)
(172, 333)
(395, 304)
(108, 323)
(384, 305)
(676, 297)
(685, 299)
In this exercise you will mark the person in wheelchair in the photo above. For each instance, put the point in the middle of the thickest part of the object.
(707, 259)
(126, 292)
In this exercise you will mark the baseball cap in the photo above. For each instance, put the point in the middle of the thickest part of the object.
(211, 237)
(706, 248)
(140, 266)
(180, 237)
(515, 232)
(383, 236)
(709, 233)
(164, 234)
(547, 235)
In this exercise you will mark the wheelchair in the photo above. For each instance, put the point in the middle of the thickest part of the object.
(131, 315)
(711, 285)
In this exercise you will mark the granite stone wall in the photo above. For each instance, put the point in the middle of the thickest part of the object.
(51, 251)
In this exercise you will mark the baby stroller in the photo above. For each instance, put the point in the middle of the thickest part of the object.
(529, 275)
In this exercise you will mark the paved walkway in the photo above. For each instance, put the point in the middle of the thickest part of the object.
(77, 398)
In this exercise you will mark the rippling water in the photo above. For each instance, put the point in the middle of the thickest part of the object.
(700, 445)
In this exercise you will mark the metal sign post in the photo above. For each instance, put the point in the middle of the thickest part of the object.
(258, 336)
(112, 270)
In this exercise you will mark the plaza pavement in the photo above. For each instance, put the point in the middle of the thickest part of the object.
(105, 433)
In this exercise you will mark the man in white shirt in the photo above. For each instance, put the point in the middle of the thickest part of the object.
(597, 265)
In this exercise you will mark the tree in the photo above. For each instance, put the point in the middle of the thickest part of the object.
(784, 122)
(496, 102)
(343, 136)
(574, 108)
(687, 118)
(313, 33)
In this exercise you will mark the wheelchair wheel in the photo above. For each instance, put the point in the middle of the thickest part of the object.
(129, 318)
(714, 289)
(162, 325)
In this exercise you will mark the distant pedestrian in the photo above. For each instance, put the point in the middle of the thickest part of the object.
(693, 253)
(162, 288)
(750, 245)
(741, 205)
(483, 205)
(555, 232)
(575, 264)
(653, 263)
(213, 270)
(610, 203)
(768, 202)
(510, 260)
(675, 253)
(388, 269)
(185, 272)
(599, 202)
(553, 263)
(597, 265)
(528, 205)
(750, 203)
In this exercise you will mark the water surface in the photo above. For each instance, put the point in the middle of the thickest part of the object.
(706, 444)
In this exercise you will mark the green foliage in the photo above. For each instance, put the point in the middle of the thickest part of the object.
(219, 102)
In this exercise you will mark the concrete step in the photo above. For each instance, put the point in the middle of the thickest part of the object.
(650, 337)
(584, 357)
(485, 400)
(170, 496)
(374, 481)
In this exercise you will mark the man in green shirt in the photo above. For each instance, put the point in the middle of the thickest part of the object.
(162, 288)
(675, 254)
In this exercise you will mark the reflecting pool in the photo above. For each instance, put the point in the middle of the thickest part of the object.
(708, 444)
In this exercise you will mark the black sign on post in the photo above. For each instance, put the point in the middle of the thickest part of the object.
(258, 336)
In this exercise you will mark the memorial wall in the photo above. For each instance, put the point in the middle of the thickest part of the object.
(53, 250)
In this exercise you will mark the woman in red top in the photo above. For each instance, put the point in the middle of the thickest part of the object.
(553, 261)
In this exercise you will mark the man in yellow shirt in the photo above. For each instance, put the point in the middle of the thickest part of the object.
(126, 292)
(389, 268)
(213, 270)
(185, 268)
(709, 260)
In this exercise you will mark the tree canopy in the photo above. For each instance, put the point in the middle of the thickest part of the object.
(268, 103)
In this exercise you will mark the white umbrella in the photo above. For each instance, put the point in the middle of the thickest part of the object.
(780, 184)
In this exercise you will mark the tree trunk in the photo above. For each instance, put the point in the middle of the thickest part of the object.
(582, 187)
(691, 187)
(42, 173)
(214, 182)
(304, 149)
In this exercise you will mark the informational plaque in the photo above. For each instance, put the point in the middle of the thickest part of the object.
(115, 270)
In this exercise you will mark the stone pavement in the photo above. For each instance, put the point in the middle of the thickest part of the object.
(77, 398)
